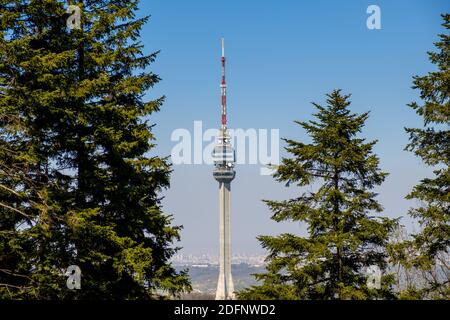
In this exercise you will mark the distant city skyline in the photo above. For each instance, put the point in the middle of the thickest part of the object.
(282, 56)
(183, 259)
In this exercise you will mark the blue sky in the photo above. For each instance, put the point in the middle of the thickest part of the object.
(281, 55)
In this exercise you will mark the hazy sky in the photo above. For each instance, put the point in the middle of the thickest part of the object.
(281, 55)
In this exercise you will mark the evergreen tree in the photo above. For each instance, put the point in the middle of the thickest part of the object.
(75, 128)
(430, 247)
(344, 237)
(21, 195)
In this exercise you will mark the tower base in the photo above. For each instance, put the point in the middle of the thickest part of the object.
(225, 288)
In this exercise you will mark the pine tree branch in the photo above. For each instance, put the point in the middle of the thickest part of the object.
(16, 287)
(15, 210)
(9, 272)
(10, 190)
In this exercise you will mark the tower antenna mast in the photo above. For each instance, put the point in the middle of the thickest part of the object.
(223, 87)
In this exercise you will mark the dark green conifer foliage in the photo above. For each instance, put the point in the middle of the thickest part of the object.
(432, 144)
(345, 235)
(79, 181)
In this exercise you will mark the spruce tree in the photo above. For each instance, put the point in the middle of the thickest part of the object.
(75, 125)
(429, 248)
(21, 195)
(344, 235)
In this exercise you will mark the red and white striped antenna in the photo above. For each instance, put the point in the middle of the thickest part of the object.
(223, 87)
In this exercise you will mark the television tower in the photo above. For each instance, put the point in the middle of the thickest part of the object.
(224, 158)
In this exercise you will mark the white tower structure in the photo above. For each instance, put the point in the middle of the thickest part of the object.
(224, 158)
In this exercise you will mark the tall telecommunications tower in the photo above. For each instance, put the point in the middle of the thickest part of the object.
(224, 173)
